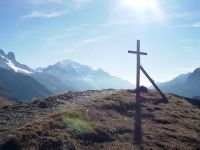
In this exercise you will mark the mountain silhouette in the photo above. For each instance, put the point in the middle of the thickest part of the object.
(21, 86)
(58, 78)
(186, 85)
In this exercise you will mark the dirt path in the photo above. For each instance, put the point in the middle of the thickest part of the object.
(13, 117)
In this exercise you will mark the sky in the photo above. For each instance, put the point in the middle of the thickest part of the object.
(99, 33)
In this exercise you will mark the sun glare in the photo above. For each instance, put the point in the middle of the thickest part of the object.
(143, 9)
(141, 5)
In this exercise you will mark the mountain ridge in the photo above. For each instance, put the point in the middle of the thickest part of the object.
(8, 61)
(186, 85)
(63, 76)
(22, 86)
(82, 77)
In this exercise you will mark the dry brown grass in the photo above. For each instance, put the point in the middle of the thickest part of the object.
(174, 125)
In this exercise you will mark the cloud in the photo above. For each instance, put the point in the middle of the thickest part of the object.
(64, 41)
(92, 40)
(79, 3)
(89, 41)
(192, 25)
(181, 15)
(39, 2)
(68, 50)
(43, 14)
(188, 49)
(57, 37)
(66, 33)
(119, 22)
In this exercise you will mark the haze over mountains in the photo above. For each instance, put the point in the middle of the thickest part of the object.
(184, 85)
(24, 83)
(20, 82)
(21, 86)
(77, 77)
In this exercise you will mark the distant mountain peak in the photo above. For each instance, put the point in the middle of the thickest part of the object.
(2, 52)
(8, 61)
(68, 61)
(83, 77)
(186, 85)
(68, 65)
(11, 56)
(196, 71)
(39, 69)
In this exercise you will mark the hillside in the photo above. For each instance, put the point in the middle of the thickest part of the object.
(185, 85)
(5, 94)
(102, 120)
(21, 86)
(54, 84)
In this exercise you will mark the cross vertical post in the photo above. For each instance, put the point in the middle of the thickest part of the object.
(138, 53)
(138, 71)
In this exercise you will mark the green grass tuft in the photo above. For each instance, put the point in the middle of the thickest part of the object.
(78, 121)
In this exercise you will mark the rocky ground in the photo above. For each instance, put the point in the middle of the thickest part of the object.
(14, 115)
(102, 120)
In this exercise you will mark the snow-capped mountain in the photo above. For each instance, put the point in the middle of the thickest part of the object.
(81, 77)
(8, 61)
(72, 70)
(57, 78)
(16, 81)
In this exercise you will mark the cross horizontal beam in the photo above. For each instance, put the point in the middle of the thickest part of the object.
(135, 52)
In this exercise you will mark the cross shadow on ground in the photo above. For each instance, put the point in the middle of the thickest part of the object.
(138, 115)
(138, 128)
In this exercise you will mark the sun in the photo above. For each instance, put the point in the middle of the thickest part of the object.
(140, 5)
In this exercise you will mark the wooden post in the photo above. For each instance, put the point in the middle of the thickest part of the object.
(154, 84)
(138, 71)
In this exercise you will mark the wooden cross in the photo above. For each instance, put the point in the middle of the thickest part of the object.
(139, 67)
(138, 53)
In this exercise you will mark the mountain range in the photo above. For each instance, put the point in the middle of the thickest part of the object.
(20, 82)
(187, 85)
(24, 83)
(77, 77)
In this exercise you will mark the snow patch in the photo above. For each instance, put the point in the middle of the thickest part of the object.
(16, 69)
(12, 66)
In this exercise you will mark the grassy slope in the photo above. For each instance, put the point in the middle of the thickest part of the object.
(109, 124)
